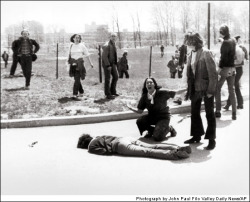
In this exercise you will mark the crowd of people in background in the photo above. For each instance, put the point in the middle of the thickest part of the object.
(204, 83)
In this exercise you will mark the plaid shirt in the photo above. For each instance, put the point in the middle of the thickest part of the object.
(25, 49)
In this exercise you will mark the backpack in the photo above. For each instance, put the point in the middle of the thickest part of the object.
(239, 56)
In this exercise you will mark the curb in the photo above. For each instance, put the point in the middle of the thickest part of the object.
(88, 119)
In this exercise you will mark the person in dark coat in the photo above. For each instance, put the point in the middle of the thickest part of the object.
(202, 80)
(172, 65)
(162, 50)
(109, 63)
(128, 146)
(182, 59)
(226, 70)
(123, 65)
(5, 57)
(154, 99)
(24, 49)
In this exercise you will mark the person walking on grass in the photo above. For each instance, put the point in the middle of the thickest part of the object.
(226, 70)
(202, 79)
(172, 65)
(123, 65)
(24, 47)
(5, 57)
(77, 69)
(128, 146)
(109, 63)
(154, 99)
(162, 50)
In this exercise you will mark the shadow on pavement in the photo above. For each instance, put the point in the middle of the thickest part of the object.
(68, 99)
(222, 123)
(101, 101)
(15, 89)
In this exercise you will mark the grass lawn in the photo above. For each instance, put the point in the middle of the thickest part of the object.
(49, 96)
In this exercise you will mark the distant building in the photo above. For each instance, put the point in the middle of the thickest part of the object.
(94, 27)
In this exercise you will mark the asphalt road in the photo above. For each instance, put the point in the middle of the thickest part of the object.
(54, 166)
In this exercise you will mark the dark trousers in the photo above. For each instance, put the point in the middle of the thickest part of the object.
(14, 64)
(160, 130)
(239, 72)
(197, 129)
(77, 84)
(172, 75)
(26, 64)
(5, 63)
(110, 89)
(180, 73)
(124, 72)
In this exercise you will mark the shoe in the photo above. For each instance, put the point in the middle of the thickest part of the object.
(26, 87)
(226, 107)
(110, 97)
(193, 140)
(80, 95)
(186, 149)
(116, 94)
(217, 114)
(178, 101)
(182, 154)
(172, 131)
(240, 107)
(211, 145)
(234, 116)
(11, 76)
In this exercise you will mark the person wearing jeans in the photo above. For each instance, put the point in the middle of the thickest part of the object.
(109, 63)
(128, 146)
(77, 70)
(226, 70)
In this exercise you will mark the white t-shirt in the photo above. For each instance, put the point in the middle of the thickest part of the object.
(193, 61)
(79, 51)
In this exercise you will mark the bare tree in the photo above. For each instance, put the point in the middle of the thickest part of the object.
(116, 22)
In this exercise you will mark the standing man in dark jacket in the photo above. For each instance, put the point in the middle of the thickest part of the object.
(182, 59)
(226, 70)
(123, 65)
(109, 63)
(24, 48)
(15, 58)
(5, 57)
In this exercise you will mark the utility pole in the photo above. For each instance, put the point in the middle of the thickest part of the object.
(208, 27)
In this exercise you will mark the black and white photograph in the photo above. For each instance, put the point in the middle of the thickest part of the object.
(125, 100)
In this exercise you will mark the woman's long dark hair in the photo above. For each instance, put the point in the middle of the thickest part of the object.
(145, 90)
(72, 38)
(193, 39)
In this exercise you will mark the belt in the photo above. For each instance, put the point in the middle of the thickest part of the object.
(26, 55)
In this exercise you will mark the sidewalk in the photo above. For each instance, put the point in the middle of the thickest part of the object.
(54, 166)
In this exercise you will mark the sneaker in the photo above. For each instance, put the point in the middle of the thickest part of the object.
(217, 114)
(182, 154)
(186, 149)
(172, 131)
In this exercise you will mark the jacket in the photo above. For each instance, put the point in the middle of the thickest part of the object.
(227, 52)
(17, 44)
(109, 55)
(5, 56)
(183, 55)
(123, 64)
(205, 79)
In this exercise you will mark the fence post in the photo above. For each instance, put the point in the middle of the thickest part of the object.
(100, 63)
(150, 57)
(57, 61)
